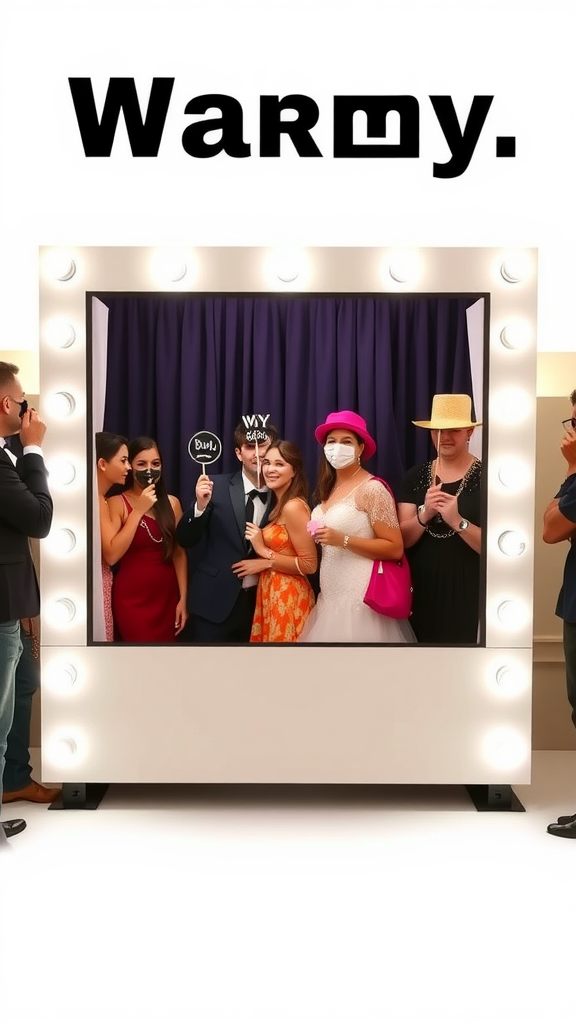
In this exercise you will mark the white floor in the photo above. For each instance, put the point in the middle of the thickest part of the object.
(398, 907)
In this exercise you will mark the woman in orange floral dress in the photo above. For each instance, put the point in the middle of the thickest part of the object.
(287, 552)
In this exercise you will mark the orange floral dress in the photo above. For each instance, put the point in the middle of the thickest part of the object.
(283, 602)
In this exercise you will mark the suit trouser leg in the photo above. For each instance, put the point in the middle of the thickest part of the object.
(17, 770)
(10, 650)
(569, 638)
(235, 629)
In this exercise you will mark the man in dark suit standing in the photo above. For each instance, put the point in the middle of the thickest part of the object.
(25, 511)
(222, 606)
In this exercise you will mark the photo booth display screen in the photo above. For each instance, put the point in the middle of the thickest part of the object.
(187, 369)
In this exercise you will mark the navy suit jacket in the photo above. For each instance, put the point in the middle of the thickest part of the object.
(217, 540)
(25, 511)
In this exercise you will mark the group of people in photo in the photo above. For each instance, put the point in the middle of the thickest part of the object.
(240, 564)
(255, 559)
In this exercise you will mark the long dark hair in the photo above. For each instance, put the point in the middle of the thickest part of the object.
(108, 445)
(327, 476)
(291, 454)
(163, 511)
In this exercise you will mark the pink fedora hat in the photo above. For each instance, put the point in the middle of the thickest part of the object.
(347, 420)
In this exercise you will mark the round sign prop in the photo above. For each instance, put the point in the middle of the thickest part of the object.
(204, 447)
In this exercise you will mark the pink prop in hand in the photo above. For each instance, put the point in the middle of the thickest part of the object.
(312, 526)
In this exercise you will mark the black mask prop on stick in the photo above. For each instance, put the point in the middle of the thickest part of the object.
(145, 477)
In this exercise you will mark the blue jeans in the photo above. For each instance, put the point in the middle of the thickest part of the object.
(10, 651)
(569, 637)
(17, 769)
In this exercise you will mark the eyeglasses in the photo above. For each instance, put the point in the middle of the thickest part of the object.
(569, 424)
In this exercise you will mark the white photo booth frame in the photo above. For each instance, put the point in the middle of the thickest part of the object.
(115, 713)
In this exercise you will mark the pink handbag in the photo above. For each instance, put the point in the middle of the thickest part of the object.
(389, 591)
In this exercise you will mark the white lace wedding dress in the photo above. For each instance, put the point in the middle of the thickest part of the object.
(340, 615)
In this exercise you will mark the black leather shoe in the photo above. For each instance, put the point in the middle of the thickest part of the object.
(564, 831)
(566, 819)
(13, 827)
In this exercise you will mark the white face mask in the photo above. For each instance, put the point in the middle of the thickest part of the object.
(340, 455)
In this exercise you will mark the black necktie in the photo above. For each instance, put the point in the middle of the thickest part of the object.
(254, 493)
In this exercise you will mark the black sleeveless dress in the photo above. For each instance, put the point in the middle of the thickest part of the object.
(445, 570)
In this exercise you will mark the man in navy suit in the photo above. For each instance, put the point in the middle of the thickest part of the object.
(221, 605)
(25, 511)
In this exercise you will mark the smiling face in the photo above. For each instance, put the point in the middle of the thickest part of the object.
(278, 473)
(116, 469)
(453, 443)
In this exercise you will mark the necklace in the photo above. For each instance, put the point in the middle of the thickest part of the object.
(147, 528)
(344, 482)
(449, 533)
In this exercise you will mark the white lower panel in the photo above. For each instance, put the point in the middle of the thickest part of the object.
(285, 715)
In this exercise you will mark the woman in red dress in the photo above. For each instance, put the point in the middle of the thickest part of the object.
(287, 552)
(149, 593)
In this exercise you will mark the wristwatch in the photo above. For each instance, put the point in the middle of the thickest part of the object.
(463, 525)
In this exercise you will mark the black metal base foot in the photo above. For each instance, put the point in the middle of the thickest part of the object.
(84, 796)
(494, 798)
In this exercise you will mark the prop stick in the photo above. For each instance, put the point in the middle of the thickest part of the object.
(258, 467)
(255, 424)
(437, 475)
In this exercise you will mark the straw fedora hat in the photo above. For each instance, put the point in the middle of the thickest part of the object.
(449, 412)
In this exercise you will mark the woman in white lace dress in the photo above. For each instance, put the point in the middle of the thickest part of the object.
(355, 523)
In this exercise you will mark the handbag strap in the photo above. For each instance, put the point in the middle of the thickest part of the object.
(386, 485)
(391, 493)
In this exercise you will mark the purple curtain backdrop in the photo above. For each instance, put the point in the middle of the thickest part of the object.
(179, 364)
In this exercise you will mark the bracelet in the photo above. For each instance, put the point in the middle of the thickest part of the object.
(423, 525)
(298, 566)
(346, 539)
(270, 556)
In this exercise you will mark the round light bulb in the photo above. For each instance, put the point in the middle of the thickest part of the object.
(512, 405)
(62, 472)
(513, 474)
(511, 543)
(404, 267)
(63, 749)
(169, 266)
(61, 404)
(511, 679)
(512, 614)
(61, 611)
(59, 334)
(60, 265)
(515, 267)
(287, 264)
(515, 335)
(505, 749)
(62, 541)
(60, 676)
